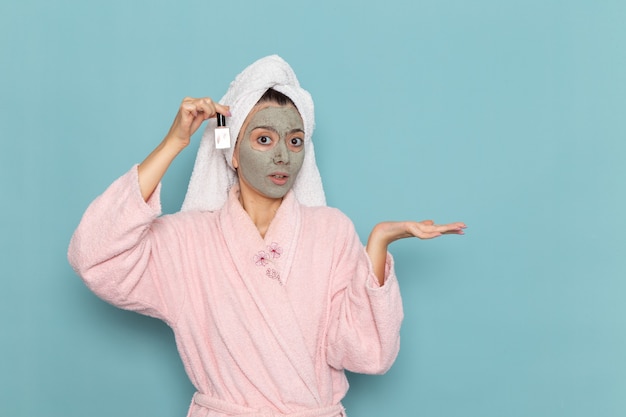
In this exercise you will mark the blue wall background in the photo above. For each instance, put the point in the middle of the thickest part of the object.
(506, 115)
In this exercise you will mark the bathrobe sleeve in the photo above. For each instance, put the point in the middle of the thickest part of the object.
(114, 251)
(365, 318)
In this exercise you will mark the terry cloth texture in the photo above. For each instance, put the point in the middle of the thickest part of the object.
(266, 323)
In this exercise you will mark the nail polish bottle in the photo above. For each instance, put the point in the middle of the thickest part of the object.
(222, 133)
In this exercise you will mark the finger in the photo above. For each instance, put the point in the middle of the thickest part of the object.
(423, 230)
(192, 114)
(195, 124)
(189, 108)
(223, 109)
(450, 229)
(428, 235)
(195, 106)
(454, 232)
(446, 228)
(205, 108)
(211, 108)
(455, 225)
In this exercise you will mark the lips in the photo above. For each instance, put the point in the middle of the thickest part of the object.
(279, 178)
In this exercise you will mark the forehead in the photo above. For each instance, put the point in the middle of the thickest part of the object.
(280, 118)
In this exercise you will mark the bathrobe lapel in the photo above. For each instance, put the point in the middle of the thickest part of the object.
(264, 266)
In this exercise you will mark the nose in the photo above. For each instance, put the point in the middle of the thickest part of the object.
(281, 153)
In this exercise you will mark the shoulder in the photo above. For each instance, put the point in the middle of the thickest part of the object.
(325, 218)
(187, 221)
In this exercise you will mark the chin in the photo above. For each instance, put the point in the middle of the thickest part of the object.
(277, 194)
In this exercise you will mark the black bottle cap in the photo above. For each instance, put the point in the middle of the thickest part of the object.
(221, 120)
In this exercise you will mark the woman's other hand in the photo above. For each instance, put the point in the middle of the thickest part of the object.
(191, 114)
(389, 232)
(386, 232)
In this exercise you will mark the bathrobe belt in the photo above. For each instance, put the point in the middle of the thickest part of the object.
(234, 410)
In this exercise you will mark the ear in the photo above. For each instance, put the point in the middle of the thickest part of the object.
(235, 160)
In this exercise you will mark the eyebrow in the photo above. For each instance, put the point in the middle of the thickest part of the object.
(297, 130)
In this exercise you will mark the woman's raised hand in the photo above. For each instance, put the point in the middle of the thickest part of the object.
(427, 229)
(191, 114)
(386, 232)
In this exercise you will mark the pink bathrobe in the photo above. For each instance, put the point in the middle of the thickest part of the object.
(263, 325)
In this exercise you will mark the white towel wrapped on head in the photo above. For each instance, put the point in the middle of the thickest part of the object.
(213, 174)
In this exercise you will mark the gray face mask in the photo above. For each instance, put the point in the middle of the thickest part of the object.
(271, 151)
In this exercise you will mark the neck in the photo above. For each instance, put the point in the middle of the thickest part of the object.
(260, 209)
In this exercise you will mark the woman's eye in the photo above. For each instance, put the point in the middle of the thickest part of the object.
(264, 140)
(297, 142)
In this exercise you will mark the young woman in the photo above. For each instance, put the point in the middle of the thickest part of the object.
(270, 294)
